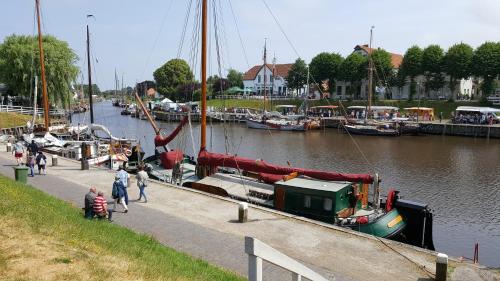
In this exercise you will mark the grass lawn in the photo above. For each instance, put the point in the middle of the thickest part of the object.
(9, 119)
(46, 238)
(439, 106)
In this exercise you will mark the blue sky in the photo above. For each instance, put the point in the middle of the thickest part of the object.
(129, 35)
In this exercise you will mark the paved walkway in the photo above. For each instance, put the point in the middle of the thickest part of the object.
(204, 226)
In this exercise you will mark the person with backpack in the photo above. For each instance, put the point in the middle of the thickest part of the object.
(118, 194)
(41, 161)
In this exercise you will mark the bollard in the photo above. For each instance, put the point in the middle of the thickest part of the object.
(85, 164)
(242, 212)
(441, 267)
(54, 160)
(9, 147)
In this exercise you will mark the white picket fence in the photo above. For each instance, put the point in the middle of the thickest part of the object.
(29, 110)
(495, 100)
(258, 251)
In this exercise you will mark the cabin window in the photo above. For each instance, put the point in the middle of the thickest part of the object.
(307, 201)
(327, 204)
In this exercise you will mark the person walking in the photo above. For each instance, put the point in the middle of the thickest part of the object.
(89, 203)
(31, 163)
(18, 152)
(33, 147)
(118, 194)
(101, 207)
(41, 160)
(124, 178)
(142, 182)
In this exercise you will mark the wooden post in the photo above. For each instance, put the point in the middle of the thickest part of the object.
(254, 268)
(204, 25)
(441, 267)
(296, 277)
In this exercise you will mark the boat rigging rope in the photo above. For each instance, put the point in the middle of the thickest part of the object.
(239, 34)
(184, 28)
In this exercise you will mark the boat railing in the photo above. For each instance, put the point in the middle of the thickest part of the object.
(258, 251)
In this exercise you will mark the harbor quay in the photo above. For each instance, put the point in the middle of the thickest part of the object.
(206, 226)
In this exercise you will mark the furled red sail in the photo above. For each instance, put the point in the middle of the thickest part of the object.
(170, 158)
(161, 141)
(259, 166)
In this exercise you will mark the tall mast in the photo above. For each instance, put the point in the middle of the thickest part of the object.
(90, 76)
(265, 80)
(370, 73)
(42, 65)
(203, 139)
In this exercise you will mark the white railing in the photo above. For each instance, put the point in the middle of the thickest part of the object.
(29, 110)
(253, 97)
(258, 251)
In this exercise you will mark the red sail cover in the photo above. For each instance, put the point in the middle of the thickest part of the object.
(168, 159)
(161, 141)
(259, 166)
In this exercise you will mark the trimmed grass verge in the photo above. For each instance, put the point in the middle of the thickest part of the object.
(439, 106)
(44, 237)
(10, 119)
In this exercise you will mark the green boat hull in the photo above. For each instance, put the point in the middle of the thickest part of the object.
(386, 226)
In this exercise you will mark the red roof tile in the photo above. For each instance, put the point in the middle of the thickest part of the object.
(280, 70)
(396, 59)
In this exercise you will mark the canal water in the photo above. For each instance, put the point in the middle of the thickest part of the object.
(458, 177)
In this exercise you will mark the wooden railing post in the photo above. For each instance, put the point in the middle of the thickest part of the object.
(254, 268)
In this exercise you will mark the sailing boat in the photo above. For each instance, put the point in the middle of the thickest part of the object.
(370, 126)
(336, 198)
(273, 120)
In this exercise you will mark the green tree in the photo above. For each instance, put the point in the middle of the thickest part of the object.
(297, 76)
(235, 78)
(353, 70)
(325, 66)
(457, 64)
(486, 64)
(20, 61)
(432, 67)
(171, 75)
(412, 67)
(95, 89)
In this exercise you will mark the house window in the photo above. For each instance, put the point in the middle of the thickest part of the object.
(339, 90)
(284, 90)
(307, 201)
(258, 79)
(279, 90)
(327, 204)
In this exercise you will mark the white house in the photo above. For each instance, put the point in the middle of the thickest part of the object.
(465, 87)
(276, 84)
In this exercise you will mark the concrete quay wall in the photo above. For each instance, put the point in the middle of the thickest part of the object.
(468, 130)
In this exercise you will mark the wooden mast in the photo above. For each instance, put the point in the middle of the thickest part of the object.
(370, 74)
(203, 139)
(265, 80)
(42, 65)
(90, 76)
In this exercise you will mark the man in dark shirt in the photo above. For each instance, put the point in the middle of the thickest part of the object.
(33, 147)
(89, 203)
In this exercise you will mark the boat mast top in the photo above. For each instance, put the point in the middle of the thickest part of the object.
(90, 75)
(45, 98)
(370, 74)
(265, 80)
(203, 138)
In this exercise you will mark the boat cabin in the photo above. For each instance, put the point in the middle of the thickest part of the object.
(324, 110)
(421, 113)
(378, 112)
(320, 200)
(286, 109)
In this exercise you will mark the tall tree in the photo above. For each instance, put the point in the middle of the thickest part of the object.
(432, 68)
(412, 67)
(171, 75)
(20, 61)
(353, 70)
(297, 76)
(325, 66)
(235, 78)
(457, 64)
(486, 64)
